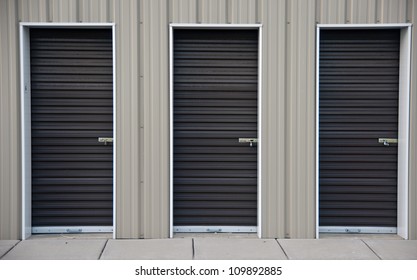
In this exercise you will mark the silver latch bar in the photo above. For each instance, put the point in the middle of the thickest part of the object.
(387, 141)
(105, 140)
(248, 140)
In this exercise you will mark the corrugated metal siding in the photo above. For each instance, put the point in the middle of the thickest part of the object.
(10, 181)
(155, 108)
(142, 100)
(129, 120)
(299, 120)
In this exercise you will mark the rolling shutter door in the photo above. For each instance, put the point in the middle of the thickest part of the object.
(72, 90)
(359, 76)
(215, 104)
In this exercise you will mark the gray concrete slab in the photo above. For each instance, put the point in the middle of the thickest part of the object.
(394, 249)
(148, 249)
(326, 249)
(42, 249)
(237, 249)
(6, 245)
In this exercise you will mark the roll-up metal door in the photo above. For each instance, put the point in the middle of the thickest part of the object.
(215, 118)
(359, 87)
(72, 105)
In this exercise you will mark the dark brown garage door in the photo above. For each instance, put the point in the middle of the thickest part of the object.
(72, 173)
(359, 76)
(215, 104)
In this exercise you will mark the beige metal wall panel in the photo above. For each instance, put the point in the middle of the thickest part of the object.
(183, 11)
(242, 11)
(63, 10)
(273, 18)
(10, 194)
(358, 11)
(393, 11)
(37, 11)
(300, 120)
(212, 11)
(154, 41)
(128, 131)
(96, 10)
(331, 11)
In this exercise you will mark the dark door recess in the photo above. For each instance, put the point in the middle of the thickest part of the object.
(72, 91)
(215, 104)
(359, 77)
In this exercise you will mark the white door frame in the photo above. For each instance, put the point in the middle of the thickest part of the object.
(403, 126)
(26, 142)
(172, 27)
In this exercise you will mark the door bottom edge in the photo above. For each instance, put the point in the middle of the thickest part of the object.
(356, 230)
(215, 229)
(73, 229)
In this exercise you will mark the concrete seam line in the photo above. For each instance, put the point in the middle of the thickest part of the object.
(102, 250)
(371, 249)
(10, 249)
(282, 248)
(192, 247)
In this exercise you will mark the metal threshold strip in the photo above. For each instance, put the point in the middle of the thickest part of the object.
(215, 229)
(84, 229)
(358, 230)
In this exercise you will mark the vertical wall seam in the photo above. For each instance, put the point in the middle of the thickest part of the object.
(228, 9)
(141, 38)
(286, 113)
(348, 11)
(3, 89)
(168, 4)
(378, 11)
(80, 12)
(198, 10)
(15, 86)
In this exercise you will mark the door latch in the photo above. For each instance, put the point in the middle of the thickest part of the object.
(387, 141)
(105, 140)
(248, 140)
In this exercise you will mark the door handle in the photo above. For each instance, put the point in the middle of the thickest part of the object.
(387, 141)
(105, 140)
(248, 140)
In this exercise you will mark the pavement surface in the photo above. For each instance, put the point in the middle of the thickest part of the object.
(206, 247)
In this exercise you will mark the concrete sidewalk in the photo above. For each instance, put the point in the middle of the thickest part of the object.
(206, 248)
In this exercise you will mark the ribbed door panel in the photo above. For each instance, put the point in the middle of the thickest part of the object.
(215, 104)
(359, 78)
(72, 91)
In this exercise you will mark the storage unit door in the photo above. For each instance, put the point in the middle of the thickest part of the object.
(215, 104)
(72, 91)
(359, 76)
